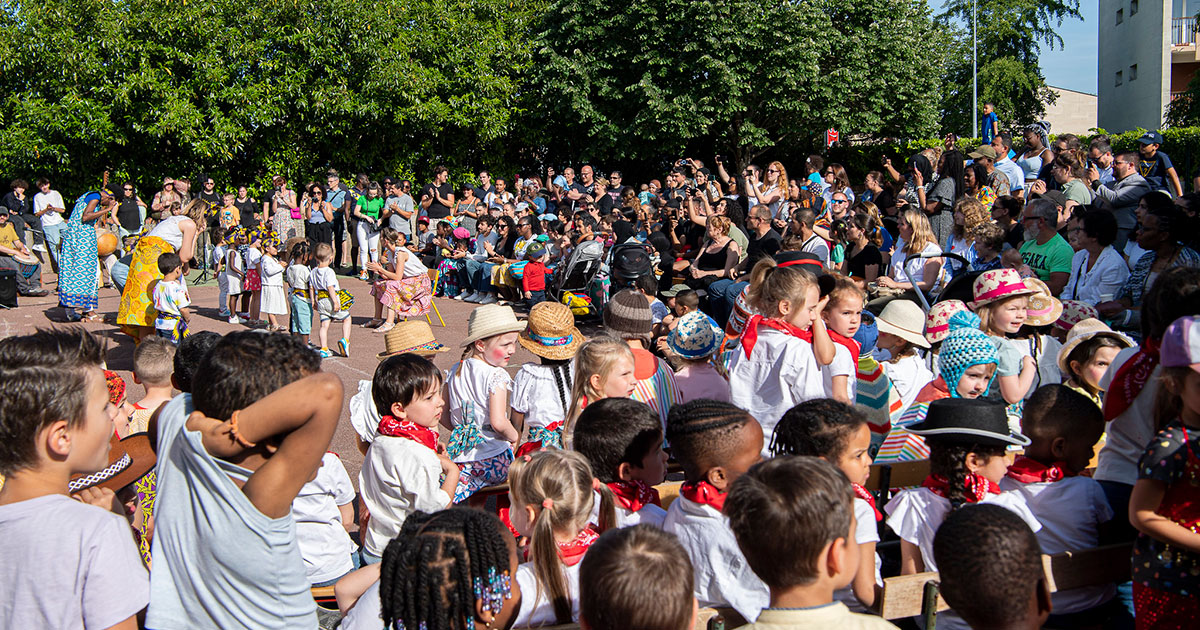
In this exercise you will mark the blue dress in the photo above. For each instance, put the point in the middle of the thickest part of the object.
(79, 263)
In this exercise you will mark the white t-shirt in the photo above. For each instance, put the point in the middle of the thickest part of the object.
(780, 373)
(297, 276)
(324, 541)
(218, 255)
(842, 365)
(817, 245)
(52, 198)
(914, 271)
(536, 609)
(364, 416)
(365, 615)
(866, 530)
(471, 384)
(536, 393)
(399, 476)
(272, 271)
(253, 256)
(908, 375)
(1128, 433)
(1071, 511)
(67, 565)
(1048, 372)
(323, 279)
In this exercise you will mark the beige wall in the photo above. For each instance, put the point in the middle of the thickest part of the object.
(1144, 40)
(1073, 112)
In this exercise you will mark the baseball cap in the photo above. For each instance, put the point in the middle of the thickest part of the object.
(983, 151)
(675, 289)
(1181, 344)
(1056, 196)
(1151, 137)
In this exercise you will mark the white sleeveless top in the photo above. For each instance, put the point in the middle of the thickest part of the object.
(168, 230)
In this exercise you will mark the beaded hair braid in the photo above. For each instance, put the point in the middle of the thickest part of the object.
(699, 433)
(439, 564)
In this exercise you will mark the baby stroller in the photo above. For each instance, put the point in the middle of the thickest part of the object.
(577, 277)
(958, 288)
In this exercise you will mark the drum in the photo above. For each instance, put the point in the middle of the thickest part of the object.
(25, 258)
(106, 244)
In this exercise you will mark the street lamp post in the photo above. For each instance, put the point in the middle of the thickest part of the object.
(974, 69)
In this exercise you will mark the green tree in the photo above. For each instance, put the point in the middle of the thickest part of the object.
(1011, 34)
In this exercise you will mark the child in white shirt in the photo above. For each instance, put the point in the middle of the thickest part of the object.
(297, 274)
(326, 298)
(274, 299)
(843, 315)
(542, 392)
(622, 439)
(323, 510)
(218, 265)
(900, 333)
(171, 300)
(235, 273)
(253, 281)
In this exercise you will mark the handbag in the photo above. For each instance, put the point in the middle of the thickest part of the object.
(296, 214)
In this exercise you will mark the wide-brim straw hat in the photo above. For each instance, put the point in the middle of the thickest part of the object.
(128, 460)
(413, 336)
(904, 319)
(1084, 331)
(998, 284)
(937, 322)
(1044, 309)
(1074, 312)
(551, 333)
(490, 320)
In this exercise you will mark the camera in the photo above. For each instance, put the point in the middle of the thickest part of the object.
(691, 190)
(681, 163)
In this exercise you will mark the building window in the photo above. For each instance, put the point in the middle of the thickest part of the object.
(1133, 72)
(1118, 77)
(1120, 15)
(1133, 8)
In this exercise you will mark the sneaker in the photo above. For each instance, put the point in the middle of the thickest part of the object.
(487, 299)
(233, 319)
(325, 353)
(223, 314)
(364, 276)
(344, 346)
(466, 295)
(39, 248)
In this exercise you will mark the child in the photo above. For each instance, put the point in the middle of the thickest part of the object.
(992, 571)
(622, 440)
(900, 333)
(552, 496)
(235, 272)
(1034, 338)
(798, 538)
(1011, 259)
(218, 265)
(1073, 313)
(415, 337)
(153, 364)
(1087, 354)
(937, 327)
(715, 443)
(482, 436)
(775, 367)
(456, 551)
(403, 287)
(1063, 427)
(1156, 166)
(842, 316)
(186, 361)
(694, 341)
(1001, 300)
(541, 395)
(297, 275)
(989, 242)
(533, 279)
(838, 433)
(325, 297)
(604, 368)
(403, 470)
(171, 300)
(324, 512)
(274, 300)
(1166, 555)
(628, 316)
(636, 577)
(228, 216)
(56, 422)
(252, 283)
(874, 393)
(224, 540)
(647, 284)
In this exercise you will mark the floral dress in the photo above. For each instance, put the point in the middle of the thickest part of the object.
(78, 261)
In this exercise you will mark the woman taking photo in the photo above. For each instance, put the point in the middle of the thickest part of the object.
(175, 234)
(318, 215)
(286, 217)
(916, 239)
(78, 263)
(863, 259)
(717, 258)
(938, 201)
(770, 192)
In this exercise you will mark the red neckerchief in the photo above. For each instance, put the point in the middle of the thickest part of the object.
(977, 486)
(851, 345)
(1130, 379)
(865, 495)
(393, 427)
(1027, 470)
(634, 495)
(750, 334)
(703, 493)
(571, 552)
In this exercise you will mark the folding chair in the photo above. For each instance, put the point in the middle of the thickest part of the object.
(434, 276)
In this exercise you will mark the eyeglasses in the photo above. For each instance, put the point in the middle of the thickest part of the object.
(129, 188)
(841, 201)
(773, 170)
(1028, 219)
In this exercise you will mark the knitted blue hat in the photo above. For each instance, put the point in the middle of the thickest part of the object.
(965, 346)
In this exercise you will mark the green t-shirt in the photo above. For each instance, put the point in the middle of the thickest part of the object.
(1053, 257)
(372, 207)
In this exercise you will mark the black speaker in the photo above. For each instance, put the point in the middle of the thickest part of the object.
(8, 288)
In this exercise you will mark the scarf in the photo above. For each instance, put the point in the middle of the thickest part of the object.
(863, 494)
(850, 344)
(703, 493)
(634, 495)
(1027, 470)
(1130, 379)
(393, 427)
(750, 335)
(977, 486)
(571, 552)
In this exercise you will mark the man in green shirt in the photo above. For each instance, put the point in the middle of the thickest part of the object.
(1047, 253)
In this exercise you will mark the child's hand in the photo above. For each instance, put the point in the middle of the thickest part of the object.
(1027, 363)
(821, 304)
(101, 498)
(528, 295)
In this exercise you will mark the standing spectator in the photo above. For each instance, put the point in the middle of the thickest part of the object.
(1121, 197)
(131, 212)
(1156, 166)
(1097, 270)
(1046, 252)
(467, 208)
(209, 193)
(337, 195)
(403, 215)
(437, 198)
(284, 210)
(161, 203)
(1002, 144)
(975, 185)
(485, 186)
(838, 181)
(367, 212)
(991, 123)
(938, 204)
(248, 208)
(318, 215)
(49, 207)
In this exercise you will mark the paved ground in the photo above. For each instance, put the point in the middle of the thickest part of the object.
(33, 313)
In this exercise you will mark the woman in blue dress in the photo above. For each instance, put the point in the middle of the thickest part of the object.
(79, 264)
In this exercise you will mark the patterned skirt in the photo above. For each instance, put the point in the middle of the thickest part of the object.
(409, 297)
(477, 475)
(78, 265)
(137, 300)
(448, 277)
(253, 281)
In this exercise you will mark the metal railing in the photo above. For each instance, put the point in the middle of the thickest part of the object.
(1183, 31)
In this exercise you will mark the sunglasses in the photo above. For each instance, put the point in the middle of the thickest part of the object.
(841, 201)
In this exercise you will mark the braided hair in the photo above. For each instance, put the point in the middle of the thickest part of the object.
(701, 434)
(949, 459)
(439, 565)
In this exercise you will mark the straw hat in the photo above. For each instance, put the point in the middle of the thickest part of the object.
(552, 333)
(1044, 309)
(490, 320)
(998, 284)
(1074, 312)
(412, 336)
(696, 336)
(905, 320)
(937, 322)
(128, 460)
(1084, 331)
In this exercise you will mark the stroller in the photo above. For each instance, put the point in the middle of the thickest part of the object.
(578, 277)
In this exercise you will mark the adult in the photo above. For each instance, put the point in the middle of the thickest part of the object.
(337, 195)
(864, 238)
(975, 185)
(1159, 235)
(805, 220)
(131, 211)
(250, 211)
(769, 192)
(160, 205)
(615, 186)
(1062, 143)
(1036, 151)
(467, 208)
(1001, 145)
(838, 181)
(174, 234)
(287, 219)
(475, 265)
(208, 192)
(764, 241)
(1068, 170)
(718, 256)
(48, 206)
(401, 211)
(994, 178)
(485, 185)
(587, 181)
(1006, 212)
(1097, 270)
(78, 264)
(938, 204)
(500, 196)
(1121, 197)
(1100, 156)
(904, 277)
(15, 255)
(437, 198)
(318, 215)
(1045, 250)
(20, 208)
(368, 212)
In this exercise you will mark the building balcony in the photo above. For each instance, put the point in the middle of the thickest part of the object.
(1183, 31)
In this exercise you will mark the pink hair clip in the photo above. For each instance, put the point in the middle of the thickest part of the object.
(548, 504)
(526, 458)
(596, 484)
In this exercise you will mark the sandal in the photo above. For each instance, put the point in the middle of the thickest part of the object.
(92, 317)
(374, 323)
(384, 328)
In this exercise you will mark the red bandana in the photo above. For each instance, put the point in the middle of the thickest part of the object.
(571, 552)
(703, 493)
(851, 345)
(977, 486)
(393, 427)
(1026, 470)
(1130, 379)
(634, 495)
(865, 495)
(750, 335)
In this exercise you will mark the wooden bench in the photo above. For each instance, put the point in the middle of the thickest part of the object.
(885, 477)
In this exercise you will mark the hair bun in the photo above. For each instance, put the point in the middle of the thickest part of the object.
(964, 319)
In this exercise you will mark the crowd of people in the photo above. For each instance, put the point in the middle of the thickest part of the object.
(1027, 325)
